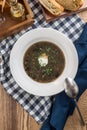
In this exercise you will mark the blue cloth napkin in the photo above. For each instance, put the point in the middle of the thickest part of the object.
(63, 106)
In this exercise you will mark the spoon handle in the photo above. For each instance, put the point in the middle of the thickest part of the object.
(79, 112)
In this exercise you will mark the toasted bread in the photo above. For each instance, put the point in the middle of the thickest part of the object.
(52, 6)
(71, 5)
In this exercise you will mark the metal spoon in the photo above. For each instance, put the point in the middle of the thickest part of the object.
(71, 89)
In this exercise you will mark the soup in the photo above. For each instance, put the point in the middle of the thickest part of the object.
(44, 61)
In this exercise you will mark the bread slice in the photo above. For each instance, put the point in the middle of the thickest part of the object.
(71, 5)
(52, 6)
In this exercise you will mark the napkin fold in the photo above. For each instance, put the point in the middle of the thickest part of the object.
(63, 106)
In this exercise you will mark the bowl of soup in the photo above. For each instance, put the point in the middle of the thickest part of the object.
(41, 59)
(44, 61)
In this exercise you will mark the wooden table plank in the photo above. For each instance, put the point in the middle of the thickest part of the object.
(74, 122)
(13, 116)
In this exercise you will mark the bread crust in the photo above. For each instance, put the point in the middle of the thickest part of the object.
(52, 6)
(71, 5)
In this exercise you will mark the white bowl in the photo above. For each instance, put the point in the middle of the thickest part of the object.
(24, 42)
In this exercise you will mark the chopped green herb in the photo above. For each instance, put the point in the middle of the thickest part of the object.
(48, 49)
(48, 71)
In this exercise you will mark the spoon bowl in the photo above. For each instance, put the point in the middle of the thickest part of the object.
(71, 90)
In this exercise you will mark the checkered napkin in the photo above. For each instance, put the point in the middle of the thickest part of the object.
(38, 107)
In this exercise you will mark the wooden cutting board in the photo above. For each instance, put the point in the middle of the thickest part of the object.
(12, 26)
(49, 17)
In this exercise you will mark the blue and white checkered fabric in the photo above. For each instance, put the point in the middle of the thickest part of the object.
(38, 107)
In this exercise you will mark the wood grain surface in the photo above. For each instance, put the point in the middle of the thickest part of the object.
(14, 117)
(13, 25)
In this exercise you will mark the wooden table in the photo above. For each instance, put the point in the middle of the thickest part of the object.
(12, 115)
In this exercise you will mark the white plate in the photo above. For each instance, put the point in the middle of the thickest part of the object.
(16, 61)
